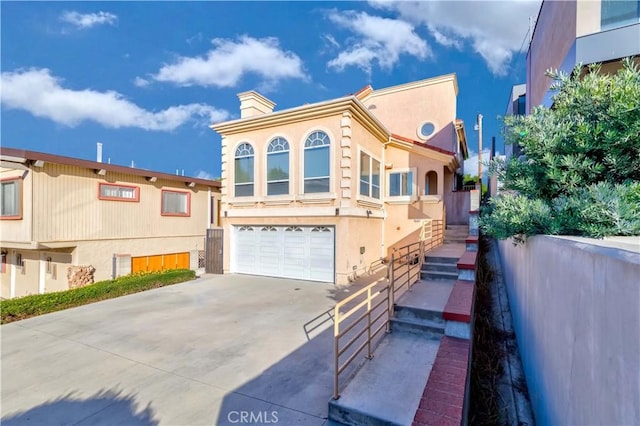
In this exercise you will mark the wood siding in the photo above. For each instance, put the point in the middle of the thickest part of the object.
(67, 208)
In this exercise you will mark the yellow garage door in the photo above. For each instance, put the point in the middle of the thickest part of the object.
(160, 262)
(138, 264)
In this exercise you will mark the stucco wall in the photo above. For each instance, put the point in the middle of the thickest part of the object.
(458, 205)
(403, 109)
(554, 35)
(575, 311)
(99, 253)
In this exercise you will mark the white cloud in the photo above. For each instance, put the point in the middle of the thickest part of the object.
(495, 29)
(377, 39)
(201, 174)
(41, 94)
(141, 82)
(229, 61)
(88, 20)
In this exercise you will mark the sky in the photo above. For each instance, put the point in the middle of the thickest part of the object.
(147, 79)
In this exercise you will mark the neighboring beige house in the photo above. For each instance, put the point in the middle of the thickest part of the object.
(58, 212)
(579, 31)
(322, 191)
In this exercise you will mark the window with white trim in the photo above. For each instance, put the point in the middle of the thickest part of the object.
(369, 176)
(176, 203)
(401, 184)
(278, 167)
(317, 163)
(244, 163)
(118, 192)
(11, 201)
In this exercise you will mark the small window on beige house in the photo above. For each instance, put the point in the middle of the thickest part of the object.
(176, 203)
(11, 199)
(118, 192)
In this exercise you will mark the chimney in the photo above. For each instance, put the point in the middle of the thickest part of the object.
(253, 103)
(99, 153)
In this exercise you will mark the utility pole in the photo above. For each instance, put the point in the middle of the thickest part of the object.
(479, 125)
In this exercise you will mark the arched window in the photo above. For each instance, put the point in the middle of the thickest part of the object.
(244, 170)
(316, 163)
(431, 183)
(278, 167)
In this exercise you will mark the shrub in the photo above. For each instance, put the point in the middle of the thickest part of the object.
(581, 168)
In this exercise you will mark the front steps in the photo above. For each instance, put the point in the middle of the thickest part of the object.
(387, 389)
(439, 268)
(456, 234)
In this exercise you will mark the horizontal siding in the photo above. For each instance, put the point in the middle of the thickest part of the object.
(67, 208)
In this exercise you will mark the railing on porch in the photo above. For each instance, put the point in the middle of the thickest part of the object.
(369, 310)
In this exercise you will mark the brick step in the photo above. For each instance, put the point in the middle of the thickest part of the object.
(439, 267)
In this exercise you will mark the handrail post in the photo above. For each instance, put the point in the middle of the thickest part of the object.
(336, 356)
(392, 284)
(369, 354)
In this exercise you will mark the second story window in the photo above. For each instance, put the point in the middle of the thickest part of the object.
(118, 192)
(316, 163)
(11, 201)
(369, 176)
(244, 170)
(278, 167)
(176, 203)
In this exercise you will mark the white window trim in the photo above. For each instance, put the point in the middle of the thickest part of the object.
(319, 196)
(265, 191)
(231, 189)
(402, 199)
(365, 199)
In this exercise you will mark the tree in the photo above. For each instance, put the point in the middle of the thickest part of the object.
(580, 173)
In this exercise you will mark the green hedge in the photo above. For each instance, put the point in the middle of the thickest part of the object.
(38, 304)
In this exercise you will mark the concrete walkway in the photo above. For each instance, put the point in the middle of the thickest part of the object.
(216, 350)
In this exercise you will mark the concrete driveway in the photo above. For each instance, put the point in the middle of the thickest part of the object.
(226, 349)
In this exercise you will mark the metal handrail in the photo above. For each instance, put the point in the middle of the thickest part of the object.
(341, 347)
(402, 270)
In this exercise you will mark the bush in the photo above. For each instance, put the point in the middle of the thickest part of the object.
(38, 304)
(581, 168)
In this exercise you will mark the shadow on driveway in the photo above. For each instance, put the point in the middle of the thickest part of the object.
(67, 409)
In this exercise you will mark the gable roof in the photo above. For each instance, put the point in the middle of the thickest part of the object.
(23, 156)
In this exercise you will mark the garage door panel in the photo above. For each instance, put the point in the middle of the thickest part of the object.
(284, 251)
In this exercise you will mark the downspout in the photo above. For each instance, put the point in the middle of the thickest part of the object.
(383, 192)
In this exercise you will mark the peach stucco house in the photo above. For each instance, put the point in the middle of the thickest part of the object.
(323, 191)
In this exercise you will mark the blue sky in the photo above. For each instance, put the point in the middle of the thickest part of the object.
(147, 78)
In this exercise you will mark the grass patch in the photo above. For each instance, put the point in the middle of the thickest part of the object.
(486, 366)
(38, 304)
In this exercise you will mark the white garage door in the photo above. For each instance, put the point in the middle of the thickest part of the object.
(302, 252)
